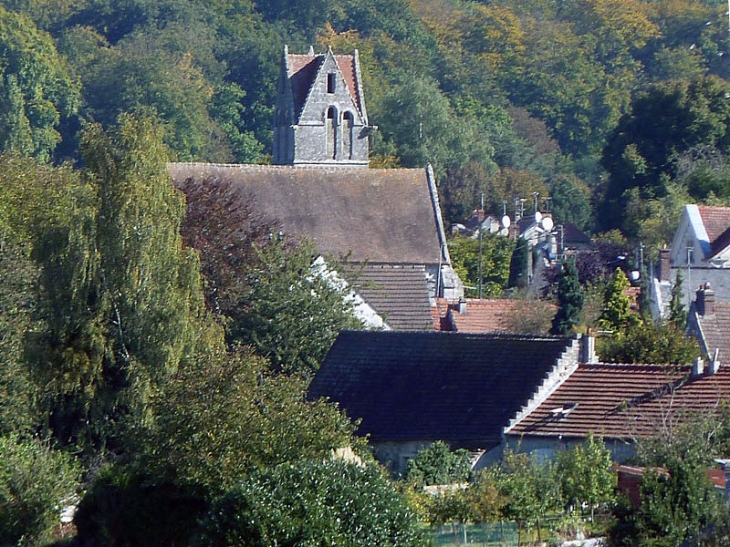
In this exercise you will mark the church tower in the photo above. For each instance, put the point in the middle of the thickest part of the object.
(320, 117)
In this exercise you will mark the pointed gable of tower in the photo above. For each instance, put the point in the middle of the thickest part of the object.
(320, 116)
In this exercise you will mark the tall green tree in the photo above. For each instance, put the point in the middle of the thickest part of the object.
(123, 301)
(570, 299)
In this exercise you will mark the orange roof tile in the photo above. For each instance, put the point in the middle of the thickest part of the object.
(499, 315)
(624, 401)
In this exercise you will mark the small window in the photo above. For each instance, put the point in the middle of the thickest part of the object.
(331, 82)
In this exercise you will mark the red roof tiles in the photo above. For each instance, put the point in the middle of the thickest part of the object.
(502, 315)
(717, 225)
(625, 401)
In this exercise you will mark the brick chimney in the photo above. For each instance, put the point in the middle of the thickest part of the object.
(705, 300)
(664, 264)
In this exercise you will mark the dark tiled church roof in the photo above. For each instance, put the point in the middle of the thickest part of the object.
(372, 215)
(399, 294)
(461, 388)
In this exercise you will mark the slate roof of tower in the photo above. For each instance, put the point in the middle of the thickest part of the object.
(370, 215)
(399, 294)
(624, 401)
(461, 388)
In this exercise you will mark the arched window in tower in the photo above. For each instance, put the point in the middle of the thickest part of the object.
(331, 125)
(348, 127)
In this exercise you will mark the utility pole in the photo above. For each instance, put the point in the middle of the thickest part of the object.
(481, 208)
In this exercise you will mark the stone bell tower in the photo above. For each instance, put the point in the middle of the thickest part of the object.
(320, 117)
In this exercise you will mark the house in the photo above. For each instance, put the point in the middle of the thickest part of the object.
(385, 224)
(701, 251)
(709, 322)
(620, 403)
(409, 389)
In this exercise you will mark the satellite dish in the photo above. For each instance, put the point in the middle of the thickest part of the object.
(547, 223)
(504, 232)
(538, 216)
(506, 221)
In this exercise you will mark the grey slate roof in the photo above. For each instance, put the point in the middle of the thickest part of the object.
(374, 215)
(399, 294)
(716, 331)
(425, 386)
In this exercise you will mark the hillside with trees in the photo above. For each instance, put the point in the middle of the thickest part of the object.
(136, 374)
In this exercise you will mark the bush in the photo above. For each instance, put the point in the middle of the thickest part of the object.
(35, 483)
(311, 503)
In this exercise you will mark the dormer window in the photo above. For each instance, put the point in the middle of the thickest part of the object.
(331, 82)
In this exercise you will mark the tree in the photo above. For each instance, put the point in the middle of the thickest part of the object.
(37, 90)
(267, 290)
(495, 261)
(649, 342)
(36, 482)
(665, 120)
(678, 505)
(438, 464)
(518, 265)
(295, 308)
(585, 474)
(677, 311)
(123, 302)
(617, 315)
(216, 420)
(312, 503)
(570, 299)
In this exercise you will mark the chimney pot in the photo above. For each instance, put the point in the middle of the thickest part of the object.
(462, 305)
(705, 300)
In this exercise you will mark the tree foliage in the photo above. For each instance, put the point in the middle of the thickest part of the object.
(36, 482)
(495, 261)
(122, 298)
(570, 299)
(37, 91)
(438, 464)
(312, 503)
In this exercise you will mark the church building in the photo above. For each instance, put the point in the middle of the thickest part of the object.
(385, 223)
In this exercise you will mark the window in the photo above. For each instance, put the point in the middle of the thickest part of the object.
(331, 82)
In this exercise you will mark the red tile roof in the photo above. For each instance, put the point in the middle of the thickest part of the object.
(303, 70)
(497, 315)
(717, 225)
(624, 401)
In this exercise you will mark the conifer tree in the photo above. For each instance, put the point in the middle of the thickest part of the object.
(677, 310)
(617, 314)
(570, 299)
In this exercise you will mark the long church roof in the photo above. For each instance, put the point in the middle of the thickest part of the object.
(374, 215)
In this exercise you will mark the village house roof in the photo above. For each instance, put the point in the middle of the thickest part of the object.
(366, 215)
(498, 315)
(427, 386)
(398, 294)
(716, 221)
(623, 402)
